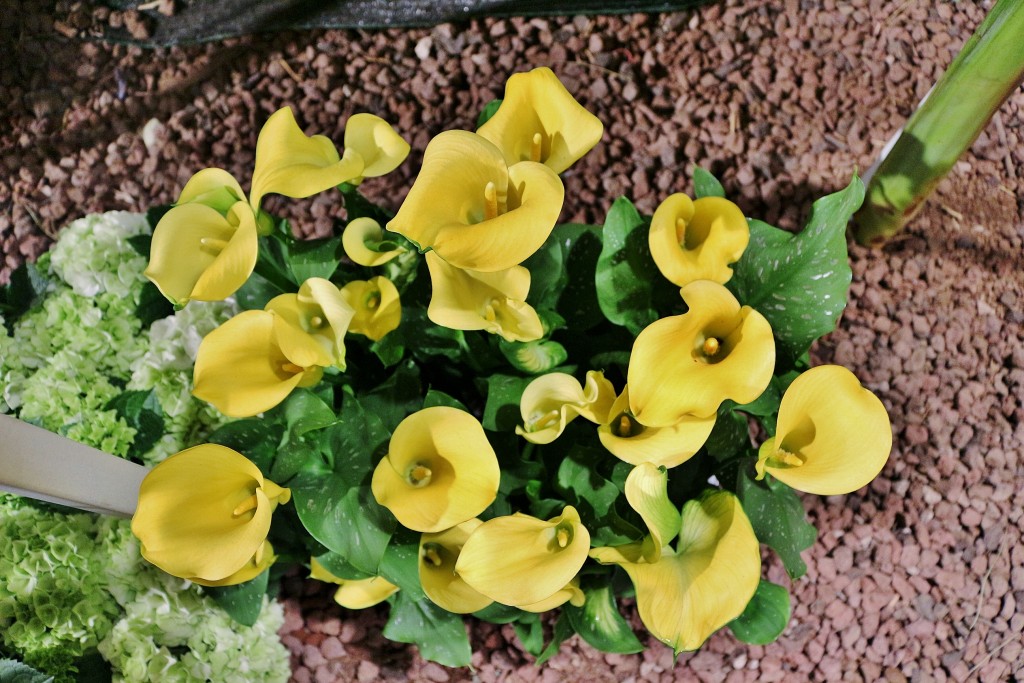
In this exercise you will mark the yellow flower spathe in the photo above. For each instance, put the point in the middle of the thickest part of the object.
(539, 120)
(475, 211)
(377, 307)
(204, 515)
(629, 440)
(697, 240)
(380, 149)
(833, 435)
(688, 364)
(199, 253)
(354, 593)
(438, 554)
(552, 401)
(358, 235)
(689, 592)
(571, 594)
(290, 163)
(521, 560)
(493, 302)
(321, 311)
(253, 361)
(440, 470)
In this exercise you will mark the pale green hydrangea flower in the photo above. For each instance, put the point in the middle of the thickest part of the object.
(93, 255)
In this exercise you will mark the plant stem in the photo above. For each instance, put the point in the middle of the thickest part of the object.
(988, 69)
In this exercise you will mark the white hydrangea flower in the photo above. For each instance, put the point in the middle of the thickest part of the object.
(93, 255)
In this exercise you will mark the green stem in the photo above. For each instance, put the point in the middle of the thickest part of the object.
(988, 69)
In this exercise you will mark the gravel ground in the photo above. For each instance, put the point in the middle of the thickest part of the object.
(916, 577)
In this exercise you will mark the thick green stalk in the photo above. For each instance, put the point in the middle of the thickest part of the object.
(987, 70)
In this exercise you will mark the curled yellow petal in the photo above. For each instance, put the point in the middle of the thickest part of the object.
(213, 187)
(354, 593)
(358, 235)
(688, 364)
(539, 120)
(290, 163)
(521, 560)
(440, 470)
(552, 401)
(320, 311)
(204, 514)
(629, 440)
(647, 493)
(376, 305)
(571, 594)
(473, 210)
(697, 240)
(472, 300)
(833, 435)
(380, 148)
(438, 554)
(197, 253)
(243, 369)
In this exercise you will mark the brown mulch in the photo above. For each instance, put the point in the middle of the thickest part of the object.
(916, 577)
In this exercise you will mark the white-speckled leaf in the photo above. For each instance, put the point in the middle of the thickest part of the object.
(800, 282)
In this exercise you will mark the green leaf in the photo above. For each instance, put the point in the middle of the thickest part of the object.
(141, 411)
(152, 306)
(354, 442)
(345, 519)
(314, 258)
(24, 291)
(398, 396)
(153, 216)
(548, 265)
(705, 184)
(578, 302)
(489, 110)
(16, 672)
(535, 357)
(255, 438)
(600, 624)
(340, 567)
(497, 613)
(765, 617)
(778, 518)
(530, 631)
(588, 491)
(625, 269)
(729, 437)
(256, 292)
(501, 413)
(304, 412)
(142, 244)
(401, 563)
(244, 601)
(439, 398)
(561, 633)
(440, 635)
(294, 456)
(800, 282)
(358, 206)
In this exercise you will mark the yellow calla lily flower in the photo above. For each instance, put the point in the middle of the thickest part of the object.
(833, 435)
(697, 240)
(438, 555)
(552, 401)
(688, 364)
(361, 232)
(473, 210)
(376, 305)
(253, 361)
(354, 593)
(521, 560)
(440, 470)
(321, 311)
(204, 515)
(493, 302)
(290, 163)
(539, 120)
(688, 593)
(571, 594)
(629, 440)
(213, 187)
(198, 253)
(379, 147)
(647, 493)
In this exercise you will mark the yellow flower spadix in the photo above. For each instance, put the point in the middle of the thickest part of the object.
(629, 440)
(697, 240)
(379, 147)
(321, 311)
(377, 307)
(290, 163)
(833, 435)
(475, 211)
(438, 554)
(204, 515)
(688, 364)
(686, 594)
(253, 361)
(493, 302)
(361, 232)
(199, 253)
(539, 120)
(440, 470)
(552, 401)
(521, 560)
(354, 593)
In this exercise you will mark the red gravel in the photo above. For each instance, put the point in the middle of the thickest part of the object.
(916, 577)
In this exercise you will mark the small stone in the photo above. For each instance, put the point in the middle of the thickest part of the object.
(368, 672)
